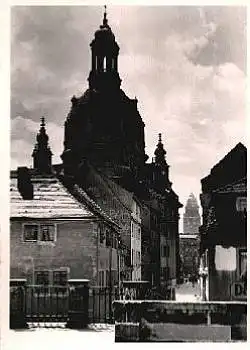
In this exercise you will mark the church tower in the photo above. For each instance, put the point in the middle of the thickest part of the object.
(42, 153)
(191, 218)
(104, 126)
(158, 170)
(104, 50)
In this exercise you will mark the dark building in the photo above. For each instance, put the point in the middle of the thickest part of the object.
(191, 217)
(189, 255)
(105, 132)
(161, 236)
(224, 231)
(104, 159)
(104, 125)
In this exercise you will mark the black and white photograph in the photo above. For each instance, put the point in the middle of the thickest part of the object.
(128, 175)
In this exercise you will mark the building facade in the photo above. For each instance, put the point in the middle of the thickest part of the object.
(189, 255)
(162, 217)
(56, 231)
(223, 231)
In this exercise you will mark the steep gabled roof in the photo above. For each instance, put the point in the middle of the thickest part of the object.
(50, 200)
(229, 169)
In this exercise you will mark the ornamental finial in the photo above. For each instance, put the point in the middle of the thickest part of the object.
(105, 21)
(42, 122)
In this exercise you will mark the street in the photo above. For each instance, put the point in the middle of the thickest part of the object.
(186, 292)
(59, 338)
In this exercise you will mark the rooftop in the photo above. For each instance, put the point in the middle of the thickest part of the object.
(51, 200)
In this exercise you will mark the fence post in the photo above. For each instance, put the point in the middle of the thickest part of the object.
(17, 303)
(78, 315)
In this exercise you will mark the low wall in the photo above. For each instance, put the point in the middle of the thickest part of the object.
(156, 321)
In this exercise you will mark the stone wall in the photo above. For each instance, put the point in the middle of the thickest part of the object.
(156, 321)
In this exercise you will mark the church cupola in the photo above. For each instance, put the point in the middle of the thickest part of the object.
(105, 50)
(42, 153)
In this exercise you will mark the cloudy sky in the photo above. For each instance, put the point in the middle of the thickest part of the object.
(185, 65)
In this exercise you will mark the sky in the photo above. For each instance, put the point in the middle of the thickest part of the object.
(185, 65)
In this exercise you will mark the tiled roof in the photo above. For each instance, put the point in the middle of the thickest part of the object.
(83, 196)
(51, 200)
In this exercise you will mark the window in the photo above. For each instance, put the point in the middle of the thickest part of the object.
(241, 204)
(60, 277)
(101, 278)
(39, 232)
(31, 233)
(53, 281)
(114, 241)
(242, 263)
(138, 258)
(167, 251)
(102, 234)
(114, 277)
(42, 277)
(139, 233)
(47, 233)
(107, 278)
(108, 238)
(42, 280)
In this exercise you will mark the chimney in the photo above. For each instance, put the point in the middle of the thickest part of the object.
(24, 183)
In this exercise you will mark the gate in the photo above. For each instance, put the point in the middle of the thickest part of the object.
(50, 304)
(45, 303)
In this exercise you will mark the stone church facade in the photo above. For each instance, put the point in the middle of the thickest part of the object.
(104, 158)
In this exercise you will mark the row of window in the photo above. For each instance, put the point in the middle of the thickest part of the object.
(51, 277)
(104, 278)
(39, 232)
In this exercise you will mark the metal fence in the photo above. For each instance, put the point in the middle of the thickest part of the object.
(47, 304)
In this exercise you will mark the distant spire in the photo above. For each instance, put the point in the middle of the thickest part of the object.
(42, 153)
(105, 21)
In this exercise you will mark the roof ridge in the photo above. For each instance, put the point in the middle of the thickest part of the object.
(94, 205)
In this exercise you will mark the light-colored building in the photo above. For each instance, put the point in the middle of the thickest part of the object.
(136, 241)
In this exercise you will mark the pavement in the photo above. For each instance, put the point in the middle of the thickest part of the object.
(56, 336)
